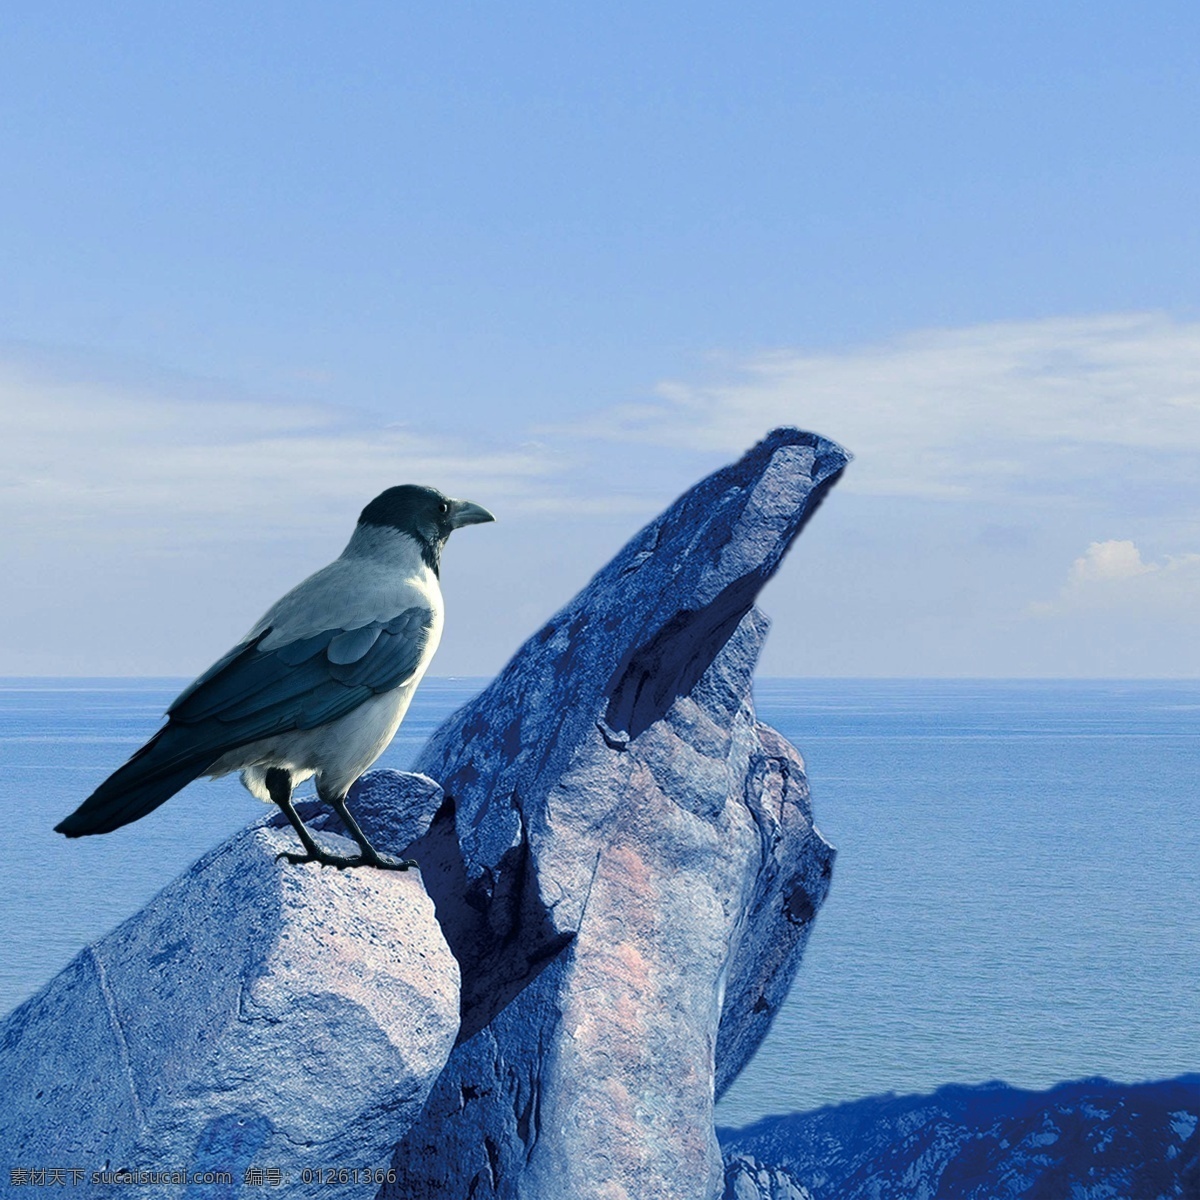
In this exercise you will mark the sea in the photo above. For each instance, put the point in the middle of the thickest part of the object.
(1016, 894)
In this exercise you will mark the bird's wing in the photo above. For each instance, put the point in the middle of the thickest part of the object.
(253, 693)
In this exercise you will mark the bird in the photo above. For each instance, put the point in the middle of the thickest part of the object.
(316, 689)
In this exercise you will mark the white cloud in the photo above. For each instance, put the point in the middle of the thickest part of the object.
(1017, 409)
(1112, 575)
(1107, 561)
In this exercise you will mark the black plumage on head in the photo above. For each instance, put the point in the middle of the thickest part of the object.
(424, 513)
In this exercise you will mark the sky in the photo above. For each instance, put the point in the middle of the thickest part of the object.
(259, 262)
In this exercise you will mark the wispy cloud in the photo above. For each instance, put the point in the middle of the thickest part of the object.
(145, 493)
(1018, 409)
(92, 455)
(1015, 412)
(146, 520)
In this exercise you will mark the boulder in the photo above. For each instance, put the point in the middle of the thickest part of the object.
(626, 866)
(747, 1179)
(255, 1015)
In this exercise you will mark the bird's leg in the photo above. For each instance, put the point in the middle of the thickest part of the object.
(279, 788)
(370, 854)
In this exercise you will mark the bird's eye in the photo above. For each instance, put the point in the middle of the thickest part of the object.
(443, 507)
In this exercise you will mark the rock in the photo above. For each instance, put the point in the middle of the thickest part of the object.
(623, 863)
(256, 1014)
(393, 808)
(748, 1179)
(625, 867)
(1089, 1138)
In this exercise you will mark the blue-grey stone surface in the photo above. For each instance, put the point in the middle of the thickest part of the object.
(748, 1179)
(393, 808)
(1087, 1140)
(626, 866)
(256, 1013)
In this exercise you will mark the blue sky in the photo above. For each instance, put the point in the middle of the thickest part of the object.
(259, 262)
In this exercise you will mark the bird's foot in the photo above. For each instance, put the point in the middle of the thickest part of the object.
(344, 861)
(341, 861)
(386, 863)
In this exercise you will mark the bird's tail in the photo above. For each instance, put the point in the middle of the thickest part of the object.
(151, 777)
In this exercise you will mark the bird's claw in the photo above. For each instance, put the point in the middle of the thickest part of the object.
(326, 860)
(344, 862)
(396, 864)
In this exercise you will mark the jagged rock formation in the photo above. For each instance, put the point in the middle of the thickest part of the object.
(254, 1013)
(623, 863)
(626, 867)
(1094, 1139)
(748, 1179)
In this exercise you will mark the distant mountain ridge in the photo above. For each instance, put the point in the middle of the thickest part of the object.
(1091, 1139)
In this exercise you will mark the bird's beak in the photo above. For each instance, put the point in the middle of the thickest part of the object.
(463, 512)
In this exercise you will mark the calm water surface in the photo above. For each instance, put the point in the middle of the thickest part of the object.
(1016, 894)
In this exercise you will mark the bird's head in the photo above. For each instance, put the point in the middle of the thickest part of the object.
(428, 516)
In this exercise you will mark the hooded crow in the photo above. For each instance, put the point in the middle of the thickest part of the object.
(317, 688)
